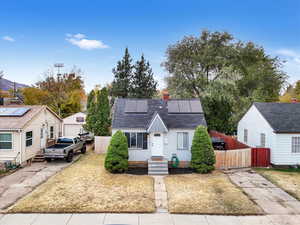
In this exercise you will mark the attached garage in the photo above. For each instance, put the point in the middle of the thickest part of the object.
(73, 125)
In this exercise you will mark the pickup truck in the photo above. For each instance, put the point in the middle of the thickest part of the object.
(65, 148)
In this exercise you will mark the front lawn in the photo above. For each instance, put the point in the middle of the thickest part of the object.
(287, 179)
(85, 186)
(207, 194)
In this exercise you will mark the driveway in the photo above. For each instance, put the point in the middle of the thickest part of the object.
(23, 181)
(144, 219)
(269, 197)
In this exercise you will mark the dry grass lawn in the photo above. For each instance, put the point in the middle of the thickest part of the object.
(207, 194)
(85, 186)
(287, 179)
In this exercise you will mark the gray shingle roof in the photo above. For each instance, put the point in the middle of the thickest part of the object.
(283, 117)
(142, 120)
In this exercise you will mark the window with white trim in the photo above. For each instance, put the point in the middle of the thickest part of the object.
(295, 144)
(245, 135)
(137, 140)
(182, 141)
(29, 138)
(262, 140)
(5, 141)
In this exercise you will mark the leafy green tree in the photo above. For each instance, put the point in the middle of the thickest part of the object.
(122, 76)
(143, 84)
(203, 157)
(91, 112)
(116, 160)
(198, 64)
(103, 120)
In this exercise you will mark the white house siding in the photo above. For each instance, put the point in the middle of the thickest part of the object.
(71, 127)
(44, 117)
(256, 124)
(170, 146)
(7, 155)
(282, 153)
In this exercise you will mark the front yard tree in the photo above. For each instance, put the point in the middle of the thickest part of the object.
(91, 112)
(203, 157)
(143, 84)
(103, 120)
(123, 74)
(116, 160)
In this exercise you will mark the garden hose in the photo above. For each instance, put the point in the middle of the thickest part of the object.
(174, 161)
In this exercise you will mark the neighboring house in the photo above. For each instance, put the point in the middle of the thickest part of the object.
(275, 126)
(25, 130)
(157, 129)
(73, 125)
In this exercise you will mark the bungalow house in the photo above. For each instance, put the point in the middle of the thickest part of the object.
(158, 129)
(25, 130)
(73, 125)
(275, 126)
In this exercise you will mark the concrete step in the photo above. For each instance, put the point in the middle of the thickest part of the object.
(158, 172)
(158, 169)
(157, 165)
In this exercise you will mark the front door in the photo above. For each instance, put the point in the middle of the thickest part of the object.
(157, 144)
(43, 137)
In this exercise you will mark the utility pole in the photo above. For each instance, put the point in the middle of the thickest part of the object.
(58, 66)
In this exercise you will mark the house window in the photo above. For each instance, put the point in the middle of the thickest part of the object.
(182, 140)
(51, 132)
(79, 119)
(295, 144)
(245, 135)
(136, 140)
(28, 138)
(5, 141)
(262, 140)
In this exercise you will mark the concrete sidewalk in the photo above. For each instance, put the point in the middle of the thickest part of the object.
(145, 219)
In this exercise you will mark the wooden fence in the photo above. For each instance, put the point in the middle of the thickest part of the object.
(101, 144)
(239, 158)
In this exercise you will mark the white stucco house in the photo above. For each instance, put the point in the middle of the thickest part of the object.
(275, 126)
(157, 129)
(73, 125)
(25, 130)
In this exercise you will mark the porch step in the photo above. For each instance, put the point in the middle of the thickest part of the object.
(39, 158)
(158, 167)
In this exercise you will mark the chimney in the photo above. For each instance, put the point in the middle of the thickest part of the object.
(294, 100)
(165, 95)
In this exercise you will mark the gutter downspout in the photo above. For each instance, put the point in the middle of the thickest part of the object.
(21, 147)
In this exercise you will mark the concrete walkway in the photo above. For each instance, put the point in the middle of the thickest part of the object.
(23, 181)
(269, 197)
(144, 219)
(161, 196)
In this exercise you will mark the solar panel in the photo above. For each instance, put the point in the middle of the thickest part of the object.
(142, 106)
(13, 111)
(184, 106)
(136, 106)
(196, 107)
(173, 107)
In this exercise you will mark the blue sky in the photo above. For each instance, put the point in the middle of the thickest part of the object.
(93, 34)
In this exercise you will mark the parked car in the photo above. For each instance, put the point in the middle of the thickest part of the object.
(65, 148)
(218, 143)
(87, 137)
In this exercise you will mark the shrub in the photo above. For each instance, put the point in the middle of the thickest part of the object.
(116, 160)
(203, 157)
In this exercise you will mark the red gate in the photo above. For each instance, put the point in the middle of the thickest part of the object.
(260, 157)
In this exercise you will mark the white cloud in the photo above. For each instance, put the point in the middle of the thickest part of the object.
(82, 42)
(8, 38)
(292, 64)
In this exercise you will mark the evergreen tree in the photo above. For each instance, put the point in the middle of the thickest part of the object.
(91, 112)
(103, 121)
(116, 160)
(143, 84)
(123, 74)
(203, 157)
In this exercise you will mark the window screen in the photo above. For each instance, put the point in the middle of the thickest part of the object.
(295, 144)
(182, 140)
(137, 140)
(5, 141)
(28, 138)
